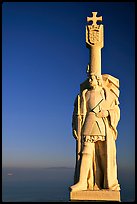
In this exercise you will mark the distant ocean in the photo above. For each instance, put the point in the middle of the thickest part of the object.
(51, 184)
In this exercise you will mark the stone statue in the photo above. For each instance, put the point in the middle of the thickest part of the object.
(100, 116)
(95, 118)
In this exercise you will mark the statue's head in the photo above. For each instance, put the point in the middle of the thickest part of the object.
(95, 80)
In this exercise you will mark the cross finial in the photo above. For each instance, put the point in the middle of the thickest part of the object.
(94, 19)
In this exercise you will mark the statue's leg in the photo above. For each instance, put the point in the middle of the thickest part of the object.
(84, 168)
(103, 162)
(98, 168)
(90, 178)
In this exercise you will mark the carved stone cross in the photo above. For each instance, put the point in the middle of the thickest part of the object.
(94, 19)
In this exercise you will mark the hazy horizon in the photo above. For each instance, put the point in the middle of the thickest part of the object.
(51, 184)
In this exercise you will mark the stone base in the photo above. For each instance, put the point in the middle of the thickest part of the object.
(101, 195)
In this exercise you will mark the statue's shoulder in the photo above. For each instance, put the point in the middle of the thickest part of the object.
(84, 86)
(111, 84)
(85, 94)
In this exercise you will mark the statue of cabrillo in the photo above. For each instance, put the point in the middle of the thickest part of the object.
(95, 119)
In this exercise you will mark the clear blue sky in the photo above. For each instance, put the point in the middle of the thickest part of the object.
(44, 60)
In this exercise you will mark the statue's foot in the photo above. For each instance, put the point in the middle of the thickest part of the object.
(90, 188)
(115, 188)
(96, 188)
(79, 187)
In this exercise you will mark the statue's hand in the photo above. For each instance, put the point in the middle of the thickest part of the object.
(102, 114)
(75, 134)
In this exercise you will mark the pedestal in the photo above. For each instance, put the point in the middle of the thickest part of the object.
(102, 195)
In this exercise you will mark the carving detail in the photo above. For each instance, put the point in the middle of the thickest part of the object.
(94, 35)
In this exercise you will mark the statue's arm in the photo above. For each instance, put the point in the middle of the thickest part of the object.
(109, 106)
(79, 114)
(83, 105)
(108, 111)
(102, 114)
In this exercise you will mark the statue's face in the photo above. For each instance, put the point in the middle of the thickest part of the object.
(93, 81)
